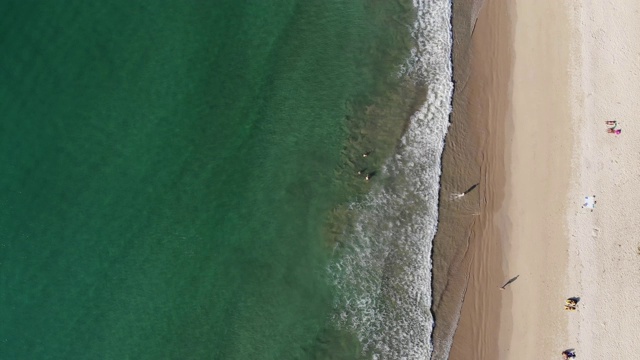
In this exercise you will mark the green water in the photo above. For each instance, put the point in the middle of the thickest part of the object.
(167, 168)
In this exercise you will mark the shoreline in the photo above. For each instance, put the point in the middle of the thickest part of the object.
(460, 171)
(490, 83)
(515, 55)
(573, 67)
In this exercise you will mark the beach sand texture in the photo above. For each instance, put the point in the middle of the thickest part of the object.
(576, 66)
(573, 66)
(534, 322)
(604, 256)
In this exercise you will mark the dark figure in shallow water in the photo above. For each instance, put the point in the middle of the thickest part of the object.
(370, 175)
(360, 172)
(367, 153)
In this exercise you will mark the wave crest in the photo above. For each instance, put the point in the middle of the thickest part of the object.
(383, 270)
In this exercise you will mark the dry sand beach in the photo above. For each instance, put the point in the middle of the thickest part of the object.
(604, 256)
(570, 66)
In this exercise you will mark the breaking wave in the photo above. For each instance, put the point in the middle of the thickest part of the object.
(383, 267)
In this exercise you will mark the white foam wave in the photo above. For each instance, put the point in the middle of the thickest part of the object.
(384, 271)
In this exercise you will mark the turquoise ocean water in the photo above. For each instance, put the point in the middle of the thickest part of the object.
(170, 172)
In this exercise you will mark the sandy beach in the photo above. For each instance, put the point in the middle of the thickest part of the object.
(538, 157)
(550, 83)
(488, 108)
(604, 256)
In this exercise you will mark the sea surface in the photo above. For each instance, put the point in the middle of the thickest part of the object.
(186, 179)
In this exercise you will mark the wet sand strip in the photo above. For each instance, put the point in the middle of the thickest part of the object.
(468, 248)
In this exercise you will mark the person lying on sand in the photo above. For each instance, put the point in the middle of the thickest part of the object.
(567, 354)
(571, 302)
(570, 308)
(611, 123)
(614, 131)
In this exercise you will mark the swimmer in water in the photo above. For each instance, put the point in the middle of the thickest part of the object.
(366, 154)
(369, 176)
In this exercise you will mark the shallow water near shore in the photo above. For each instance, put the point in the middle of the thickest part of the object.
(176, 178)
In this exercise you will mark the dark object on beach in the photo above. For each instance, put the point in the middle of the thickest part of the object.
(360, 172)
(509, 282)
(370, 175)
(470, 189)
(571, 304)
(568, 354)
(574, 299)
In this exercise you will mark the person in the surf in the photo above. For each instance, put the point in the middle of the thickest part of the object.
(369, 176)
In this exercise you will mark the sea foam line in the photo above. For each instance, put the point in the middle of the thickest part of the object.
(383, 273)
